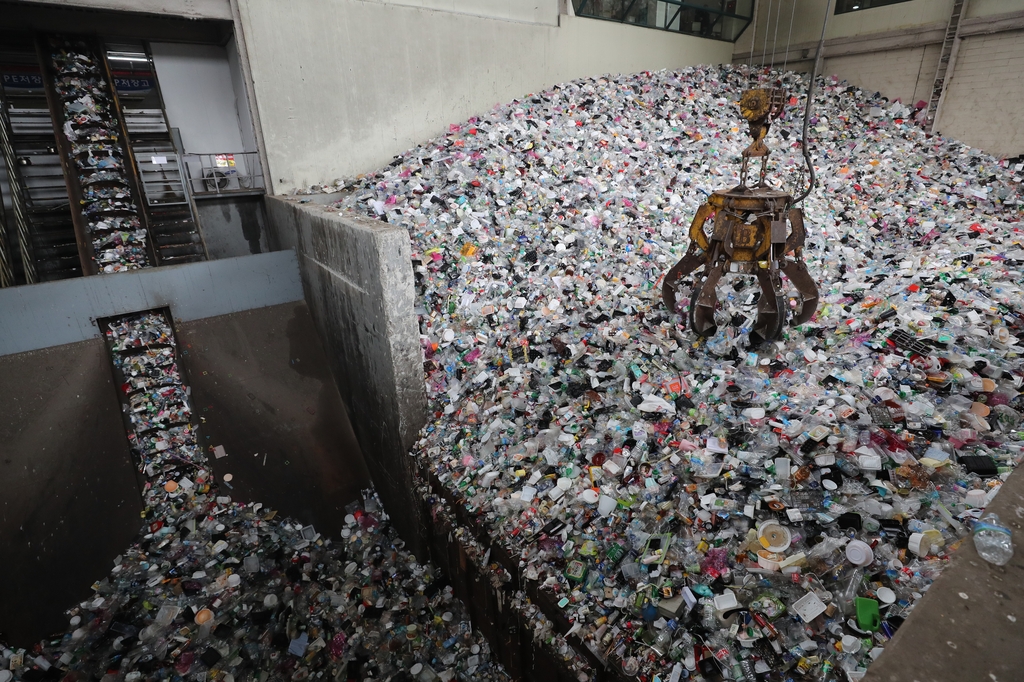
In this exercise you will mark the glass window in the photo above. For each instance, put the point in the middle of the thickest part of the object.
(844, 6)
(717, 19)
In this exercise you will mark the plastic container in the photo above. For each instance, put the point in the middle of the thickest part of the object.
(993, 540)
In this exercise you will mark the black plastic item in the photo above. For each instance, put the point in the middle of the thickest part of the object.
(809, 446)
(261, 617)
(709, 670)
(210, 657)
(849, 520)
(907, 341)
(982, 465)
(833, 474)
(899, 538)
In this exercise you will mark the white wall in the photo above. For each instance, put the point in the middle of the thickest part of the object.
(985, 97)
(906, 75)
(986, 8)
(199, 96)
(535, 11)
(242, 106)
(344, 85)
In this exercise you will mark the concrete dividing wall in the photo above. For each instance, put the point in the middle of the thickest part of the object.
(54, 313)
(341, 86)
(358, 280)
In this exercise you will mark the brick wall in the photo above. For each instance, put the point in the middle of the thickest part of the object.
(905, 74)
(985, 99)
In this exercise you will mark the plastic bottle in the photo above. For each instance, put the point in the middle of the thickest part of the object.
(993, 540)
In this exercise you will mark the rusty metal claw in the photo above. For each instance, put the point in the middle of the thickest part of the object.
(749, 237)
(754, 230)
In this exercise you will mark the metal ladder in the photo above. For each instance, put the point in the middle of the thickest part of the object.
(40, 235)
(947, 60)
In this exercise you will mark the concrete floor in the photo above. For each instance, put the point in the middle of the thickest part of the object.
(69, 496)
(262, 387)
(970, 625)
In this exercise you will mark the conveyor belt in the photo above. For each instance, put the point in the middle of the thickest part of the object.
(106, 193)
(154, 399)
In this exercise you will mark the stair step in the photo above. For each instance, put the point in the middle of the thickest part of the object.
(186, 258)
(180, 250)
(174, 240)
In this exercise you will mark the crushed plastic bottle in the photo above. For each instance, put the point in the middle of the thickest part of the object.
(993, 540)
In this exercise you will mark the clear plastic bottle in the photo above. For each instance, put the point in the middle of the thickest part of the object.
(993, 540)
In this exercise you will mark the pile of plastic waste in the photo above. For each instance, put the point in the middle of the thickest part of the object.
(708, 507)
(217, 589)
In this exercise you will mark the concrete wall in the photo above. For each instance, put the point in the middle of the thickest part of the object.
(54, 313)
(358, 280)
(198, 94)
(233, 226)
(192, 9)
(895, 50)
(341, 86)
(69, 495)
(261, 381)
(987, 8)
(534, 11)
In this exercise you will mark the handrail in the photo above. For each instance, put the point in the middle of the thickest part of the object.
(223, 173)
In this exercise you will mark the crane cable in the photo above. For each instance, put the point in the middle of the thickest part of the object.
(775, 38)
(812, 178)
(764, 48)
(789, 40)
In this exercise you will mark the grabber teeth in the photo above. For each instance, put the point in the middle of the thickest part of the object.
(796, 271)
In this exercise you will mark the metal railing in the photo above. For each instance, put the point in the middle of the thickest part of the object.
(716, 19)
(225, 173)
